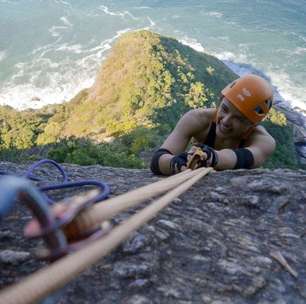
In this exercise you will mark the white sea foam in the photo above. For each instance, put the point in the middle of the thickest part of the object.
(66, 21)
(46, 48)
(63, 2)
(193, 43)
(55, 30)
(228, 58)
(152, 23)
(30, 96)
(299, 51)
(105, 9)
(59, 81)
(142, 7)
(299, 36)
(3, 55)
(215, 14)
(73, 48)
(289, 91)
(20, 71)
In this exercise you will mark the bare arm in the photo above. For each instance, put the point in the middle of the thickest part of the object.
(261, 144)
(190, 123)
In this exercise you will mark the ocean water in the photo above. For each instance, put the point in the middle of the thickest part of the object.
(51, 49)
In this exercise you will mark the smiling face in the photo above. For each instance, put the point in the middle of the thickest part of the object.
(230, 122)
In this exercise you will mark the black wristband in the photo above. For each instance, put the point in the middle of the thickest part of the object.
(245, 159)
(155, 160)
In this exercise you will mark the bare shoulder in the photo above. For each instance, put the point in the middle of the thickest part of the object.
(260, 137)
(261, 144)
(206, 115)
(190, 124)
(261, 131)
(198, 119)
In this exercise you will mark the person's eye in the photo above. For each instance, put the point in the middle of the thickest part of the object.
(224, 109)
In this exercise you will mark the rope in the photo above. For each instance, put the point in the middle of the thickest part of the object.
(102, 212)
(49, 279)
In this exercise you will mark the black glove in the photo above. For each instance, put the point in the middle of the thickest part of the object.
(177, 162)
(212, 156)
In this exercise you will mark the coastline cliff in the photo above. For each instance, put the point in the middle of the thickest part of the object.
(147, 82)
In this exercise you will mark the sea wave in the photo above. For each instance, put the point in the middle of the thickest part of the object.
(66, 21)
(152, 23)
(215, 14)
(73, 48)
(297, 35)
(123, 14)
(63, 2)
(3, 55)
(46, 48)
(288, 90)
(193, 43)
(42, 81)
(299, 51)
(141, 7)
(30, 96)
(54, 30)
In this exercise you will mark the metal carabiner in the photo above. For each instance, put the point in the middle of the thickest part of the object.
(15, 189)
(59, 231)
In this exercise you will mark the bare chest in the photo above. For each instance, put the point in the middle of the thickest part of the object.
(215, 142)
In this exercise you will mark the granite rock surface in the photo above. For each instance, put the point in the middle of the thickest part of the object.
(223, 241)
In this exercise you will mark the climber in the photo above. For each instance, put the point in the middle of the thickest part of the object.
(229, 136)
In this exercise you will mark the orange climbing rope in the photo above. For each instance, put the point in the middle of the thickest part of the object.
(49, 279)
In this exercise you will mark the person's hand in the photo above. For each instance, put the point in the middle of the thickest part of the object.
(206, 157)
(195, 158)
(33, 227)
(211, 159)
(179, 163)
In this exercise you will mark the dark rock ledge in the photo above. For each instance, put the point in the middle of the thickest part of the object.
(215, 244)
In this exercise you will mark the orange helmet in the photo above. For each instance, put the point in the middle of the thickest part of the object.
(251, 95)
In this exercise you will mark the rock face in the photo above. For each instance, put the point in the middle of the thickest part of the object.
(299, 134)
(220, 242)
(298, 121)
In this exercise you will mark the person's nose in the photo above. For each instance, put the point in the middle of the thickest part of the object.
(227, 120)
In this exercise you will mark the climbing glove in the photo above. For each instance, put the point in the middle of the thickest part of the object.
(177, 162)
(202, 156)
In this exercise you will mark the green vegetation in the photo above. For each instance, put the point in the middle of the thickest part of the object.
(84, 152)
(284, 156)
(147, 81)
(145, 85)
(19, 129)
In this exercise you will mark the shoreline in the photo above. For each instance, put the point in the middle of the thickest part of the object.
(35, 98)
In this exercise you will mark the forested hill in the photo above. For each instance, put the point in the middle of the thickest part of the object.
(147, 82)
